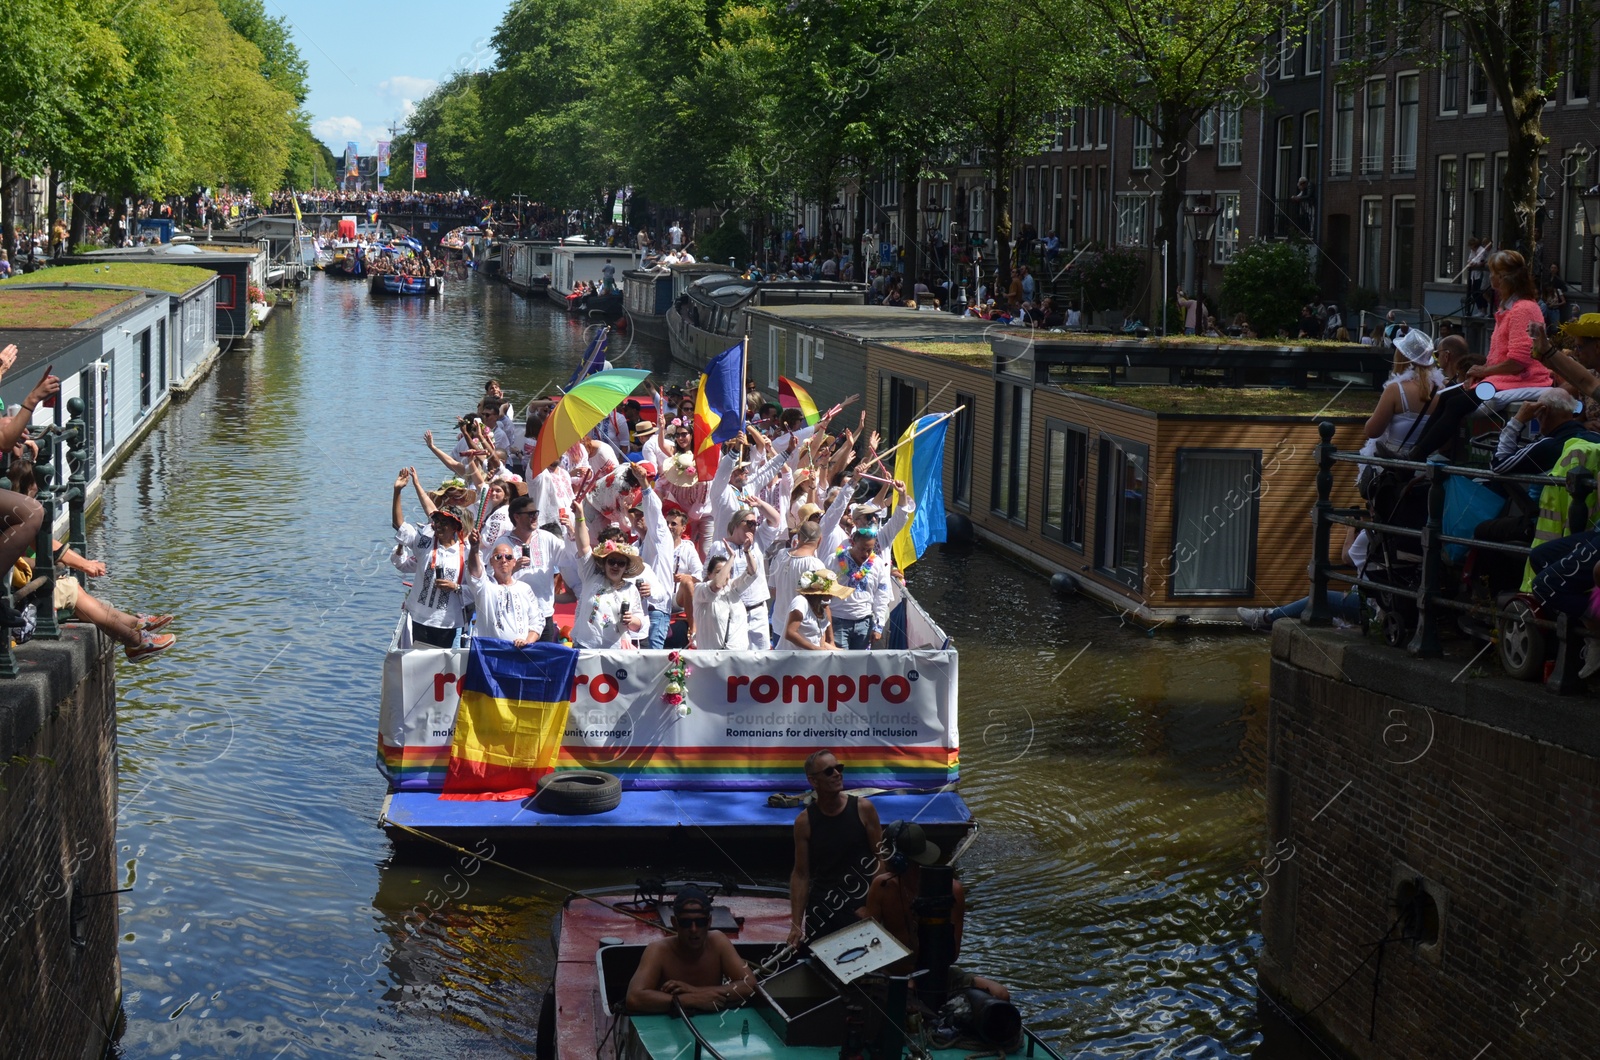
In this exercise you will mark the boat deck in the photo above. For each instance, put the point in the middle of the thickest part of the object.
(681, 820)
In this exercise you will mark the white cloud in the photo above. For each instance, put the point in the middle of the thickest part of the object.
(337, 131)
(407, 88)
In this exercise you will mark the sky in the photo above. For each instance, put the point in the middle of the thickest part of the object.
(371, 61)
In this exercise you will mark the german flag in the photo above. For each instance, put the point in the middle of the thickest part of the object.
(513, 712)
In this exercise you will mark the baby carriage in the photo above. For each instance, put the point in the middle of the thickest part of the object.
(1399, 498)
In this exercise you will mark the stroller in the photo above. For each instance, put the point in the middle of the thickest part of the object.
(1397, 498)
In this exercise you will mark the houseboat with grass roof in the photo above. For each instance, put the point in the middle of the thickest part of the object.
(1171, 479)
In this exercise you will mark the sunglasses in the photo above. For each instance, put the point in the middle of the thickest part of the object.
(503, 557)
(835, 770)
(616, 563)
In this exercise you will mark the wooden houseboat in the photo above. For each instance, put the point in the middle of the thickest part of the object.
(709, 315)
(578, 263)
(527, 264)
(240, 268)
(1170, 479)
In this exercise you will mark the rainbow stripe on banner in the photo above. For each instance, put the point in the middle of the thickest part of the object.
(764, 768)
(508, 727)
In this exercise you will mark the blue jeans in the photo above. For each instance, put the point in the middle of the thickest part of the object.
(660, 622)
(854, 634)
(1345, 605)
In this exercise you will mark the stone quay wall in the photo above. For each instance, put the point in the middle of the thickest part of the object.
(58, 805)
(1459, 813)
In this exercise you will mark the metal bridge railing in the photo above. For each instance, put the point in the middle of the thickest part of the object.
(1517, 622)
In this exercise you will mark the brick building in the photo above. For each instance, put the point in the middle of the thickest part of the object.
(1403, 162)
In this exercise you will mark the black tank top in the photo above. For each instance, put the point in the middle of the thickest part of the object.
(842, 861)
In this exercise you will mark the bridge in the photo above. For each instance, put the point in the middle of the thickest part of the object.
(428, 227)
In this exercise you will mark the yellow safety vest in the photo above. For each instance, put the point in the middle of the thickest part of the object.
(1555, 502)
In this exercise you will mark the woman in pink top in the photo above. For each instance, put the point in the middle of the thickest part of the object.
(1511, 364)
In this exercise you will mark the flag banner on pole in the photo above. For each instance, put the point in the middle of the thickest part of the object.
(383, 158)
(513, 712)
(352, 159)
(419, 161)
(294, 200)
(718, 408)
(920, 465)
(594, 358)
(792, 395)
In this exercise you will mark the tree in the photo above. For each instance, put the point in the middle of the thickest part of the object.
(1269, 282)
(999, 89)
(450, 121)
(1166, 62)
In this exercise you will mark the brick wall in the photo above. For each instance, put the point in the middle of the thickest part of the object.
(1383, 769)
(58, 765)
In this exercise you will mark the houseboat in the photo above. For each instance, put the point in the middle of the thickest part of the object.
(1171, 480)
(527, 264)
(647, 294)
(241, 276)
(710, 314)
(698, 782)
(577, 269)
(123, 342)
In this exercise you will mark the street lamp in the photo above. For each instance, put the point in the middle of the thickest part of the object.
(837, 211)
(1201, 222)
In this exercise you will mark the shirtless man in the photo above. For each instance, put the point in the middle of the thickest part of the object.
(892, 902)
(697, 967)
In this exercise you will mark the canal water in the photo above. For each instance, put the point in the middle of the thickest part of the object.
(1118, 777)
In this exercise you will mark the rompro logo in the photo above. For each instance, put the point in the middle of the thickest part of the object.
(814, 688)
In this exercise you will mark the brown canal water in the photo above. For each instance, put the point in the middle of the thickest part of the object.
(1118, 777)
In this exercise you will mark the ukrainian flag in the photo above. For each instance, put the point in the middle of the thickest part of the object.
(512, 716)
(920, 465)
(718, 408)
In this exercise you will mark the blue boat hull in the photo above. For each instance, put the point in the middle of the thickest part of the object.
(414, 286)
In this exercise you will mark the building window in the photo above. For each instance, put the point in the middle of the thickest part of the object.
(1376, 30)
(1497, 193)
(1580, 60)
(1066, 483)
(1230, 140)
(1372, 244)
(1122, 499)
(1286, 46)
(1344, 130)
(1226, 243)
(1372, 126)
(777, 338)
(1311, 145)
(146, 370)
(1056, 191)
(1216, 499)
(1405, 123)
(1574, 232)
(1207, 132)
(803, 347)
(1013, 405)
(1477, 198)
(1448, 203)
(1404, 250)
(1450, 68)
(1143, 139)
(1133, 219)
(1344, 20)
(1286, 175)
(961, 477)
(1316, 30)
(1477, 88)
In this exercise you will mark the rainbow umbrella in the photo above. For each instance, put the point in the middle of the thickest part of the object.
(580, 409)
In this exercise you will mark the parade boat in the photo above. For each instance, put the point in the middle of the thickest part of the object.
(831, 1002)
(710, 314)
(699, 752)
(393, 283)
(347, 259)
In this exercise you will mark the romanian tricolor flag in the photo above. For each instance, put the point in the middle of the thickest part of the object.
(512, 716)
(792, 395)
(919, 463)
(718, 408)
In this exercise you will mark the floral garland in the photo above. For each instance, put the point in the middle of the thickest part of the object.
(677, 683)
(861, 573)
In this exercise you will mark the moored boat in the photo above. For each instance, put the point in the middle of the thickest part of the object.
(710, 314)
(527, 264)
(578, 271)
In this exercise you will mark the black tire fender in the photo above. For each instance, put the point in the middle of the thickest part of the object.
(578, 791)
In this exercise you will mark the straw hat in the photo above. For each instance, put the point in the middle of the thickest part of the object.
(823, 583)
(809, 510)
(1585, 327)
(642, 430)
(606, 549)
(679, 471)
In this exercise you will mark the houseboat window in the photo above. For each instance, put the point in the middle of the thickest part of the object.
(899, 402)
(1122, 495)
(803, 347)
(146, 370)
(777, 338)
(226, 288)
(86, 391)
(1066, 483)
(161, 355)
(1013, 404)
(1217, 494)
(108, 403)
(962, 477)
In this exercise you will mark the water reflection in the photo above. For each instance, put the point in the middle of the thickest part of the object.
(1118, 778)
